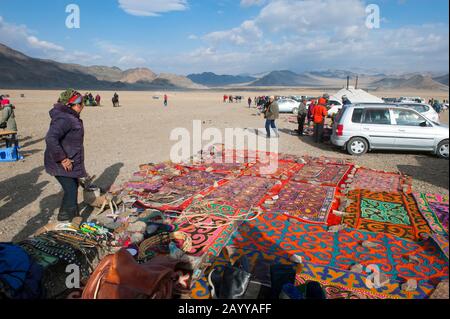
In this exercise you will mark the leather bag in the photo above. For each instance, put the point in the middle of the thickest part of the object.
(119, 276)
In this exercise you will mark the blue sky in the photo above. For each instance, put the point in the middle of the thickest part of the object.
(233, 36)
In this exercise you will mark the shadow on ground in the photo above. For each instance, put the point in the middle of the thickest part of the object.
(49, 206)
(20, 191)
(431, 170)
(24, 142)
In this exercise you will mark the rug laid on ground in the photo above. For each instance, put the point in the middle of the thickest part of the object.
(277, 235)
(391, 213)
(341, 284)
(275, 169)
(210, 226)
(176, 192)
(242, 192)
(335, 290)
(378, 181)
(201, 288)
(306, 202)
(323, 174)
(434, 208)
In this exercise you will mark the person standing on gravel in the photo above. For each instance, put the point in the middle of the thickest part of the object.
(271, 114)
(166, 100)
(64, 154)
(319, 114)
(301, 116)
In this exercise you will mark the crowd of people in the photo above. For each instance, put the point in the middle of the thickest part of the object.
(316, 113)
(90, 100)
(232, 99)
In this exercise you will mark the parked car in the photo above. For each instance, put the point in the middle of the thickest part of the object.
(359, 128)
(391, 100)
(288, 106)
(334, 106)
(411, 99)
(424, 109)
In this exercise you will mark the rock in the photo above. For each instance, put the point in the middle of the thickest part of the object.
(410, 285)
(384, 279)
(296, 259)
(357, 268)
(337, 228)
(413, 259)
(369, 244)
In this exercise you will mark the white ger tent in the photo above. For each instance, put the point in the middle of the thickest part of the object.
(356, 96)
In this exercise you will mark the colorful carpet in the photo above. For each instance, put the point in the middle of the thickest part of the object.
(177, 192)
(391, 213)
(211, 232)
(378, 181)
(434, 208)
(225, 168)
(242, 192)
(277, 235)
(276, 169)
(306, 202)
(341, 284)
(201, 290)
(323, 174)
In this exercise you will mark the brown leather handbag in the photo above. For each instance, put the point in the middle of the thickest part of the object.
(119, 276)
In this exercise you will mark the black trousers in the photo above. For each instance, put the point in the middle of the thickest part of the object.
(301, 123)
(318, 133)
(69, 204)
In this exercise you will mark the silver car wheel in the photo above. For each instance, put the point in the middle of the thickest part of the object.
(443, 150)
(358, 147)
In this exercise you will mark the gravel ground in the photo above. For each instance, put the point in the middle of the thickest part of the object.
(118, 140)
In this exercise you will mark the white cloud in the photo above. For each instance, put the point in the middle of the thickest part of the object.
(21, 38)
(247, 32)
(39, 44)
(150, 8)
(310, 34)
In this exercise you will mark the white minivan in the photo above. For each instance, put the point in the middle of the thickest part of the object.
(359, 128)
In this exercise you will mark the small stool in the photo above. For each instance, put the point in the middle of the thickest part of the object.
(10, 153)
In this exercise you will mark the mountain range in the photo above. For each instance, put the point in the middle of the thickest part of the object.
(21, 71)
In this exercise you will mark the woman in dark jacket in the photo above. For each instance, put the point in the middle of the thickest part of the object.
(64, 155)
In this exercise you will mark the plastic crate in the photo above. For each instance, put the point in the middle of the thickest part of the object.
(10, 154)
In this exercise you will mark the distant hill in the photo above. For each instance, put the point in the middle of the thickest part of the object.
(212, 79)
(286, 78)
(335, 74)
(442, 79)
(139, 74)
(415, 82)
(24, 72)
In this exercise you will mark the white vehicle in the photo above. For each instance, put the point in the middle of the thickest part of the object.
(412, 99)
(335, 106)
(424, 109)
(288, 106)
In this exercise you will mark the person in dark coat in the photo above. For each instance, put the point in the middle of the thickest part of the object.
(271, 114)
(301, 117)
(64, 154)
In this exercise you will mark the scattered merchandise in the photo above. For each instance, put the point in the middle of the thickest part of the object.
(221, 226)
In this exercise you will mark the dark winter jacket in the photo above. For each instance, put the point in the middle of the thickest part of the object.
(272, 111)
(65, 140)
